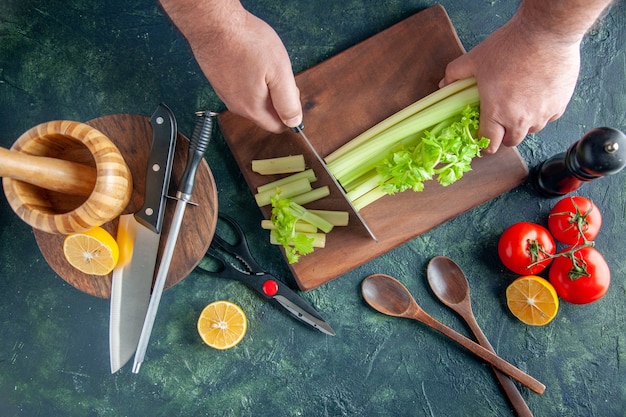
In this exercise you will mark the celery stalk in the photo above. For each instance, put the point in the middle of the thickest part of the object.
(312, 195)
(369, 197)
(408, 111)
(336, 217)
(288, 190)
(369, 154)
(308, 174)
(371, 181)
(305, 215)
(280, 165)
(434, 138)
(300, 227)
(318, 240)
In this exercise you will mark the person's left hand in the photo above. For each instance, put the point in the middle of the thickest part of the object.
(524, 81)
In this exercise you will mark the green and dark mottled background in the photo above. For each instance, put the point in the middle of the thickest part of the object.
(81, 59)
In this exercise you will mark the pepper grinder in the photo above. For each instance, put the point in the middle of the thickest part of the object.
(600, 152)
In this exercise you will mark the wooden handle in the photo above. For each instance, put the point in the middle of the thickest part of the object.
(484, 354)
(49, 173)
(509, 387)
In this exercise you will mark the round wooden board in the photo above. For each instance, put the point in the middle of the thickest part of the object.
(133, 136)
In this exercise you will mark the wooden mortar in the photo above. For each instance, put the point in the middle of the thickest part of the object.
(56, 212)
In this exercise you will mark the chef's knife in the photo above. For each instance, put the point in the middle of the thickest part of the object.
(299, 129)
(138, 235)
(197, 146)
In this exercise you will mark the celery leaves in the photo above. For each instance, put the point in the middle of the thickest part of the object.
(284, 218)
(444, 152)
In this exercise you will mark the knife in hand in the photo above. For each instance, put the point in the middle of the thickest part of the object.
(138, 236)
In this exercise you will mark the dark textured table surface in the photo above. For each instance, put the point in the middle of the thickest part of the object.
(78, 60)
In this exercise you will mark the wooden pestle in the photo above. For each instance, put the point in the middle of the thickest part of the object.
(50, 173)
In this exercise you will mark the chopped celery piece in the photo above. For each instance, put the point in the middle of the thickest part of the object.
(301, 227)
(336, 217)
(310, 196)
(318, 239)
(308, 174)
(288, 190)
(280, 165)
(312, 218)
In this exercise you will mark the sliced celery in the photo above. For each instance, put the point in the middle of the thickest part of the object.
(300, 227)
(336, 217)
(318, 239)
(288, 190)
(308, 174)
(310, 196)
(280, 165)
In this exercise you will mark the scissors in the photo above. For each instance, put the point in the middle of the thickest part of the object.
(235, 261)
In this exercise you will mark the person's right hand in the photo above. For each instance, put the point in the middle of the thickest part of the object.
(248, 66)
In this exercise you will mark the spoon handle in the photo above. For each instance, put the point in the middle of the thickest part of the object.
(483, 353)
(509, 387)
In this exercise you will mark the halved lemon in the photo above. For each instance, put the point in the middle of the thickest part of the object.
(533, 300)
(94, 252)
(222, 324)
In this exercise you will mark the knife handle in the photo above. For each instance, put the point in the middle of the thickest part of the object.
(197, 147)
(159, 168)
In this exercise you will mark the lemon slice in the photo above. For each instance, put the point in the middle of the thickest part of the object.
(222, 324)
(533, 300)
(94, 252)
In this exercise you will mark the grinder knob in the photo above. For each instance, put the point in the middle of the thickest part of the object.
(600, 152)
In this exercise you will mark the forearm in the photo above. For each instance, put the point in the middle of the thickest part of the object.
(564, 21)
(205, 19)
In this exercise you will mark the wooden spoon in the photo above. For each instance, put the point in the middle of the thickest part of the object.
(451, 287)
(389, 296)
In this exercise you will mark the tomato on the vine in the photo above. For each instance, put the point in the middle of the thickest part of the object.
(573, 218)
(526, 248)
(580, 276)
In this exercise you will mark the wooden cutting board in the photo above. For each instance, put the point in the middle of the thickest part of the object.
(132, 134)
(344, 96)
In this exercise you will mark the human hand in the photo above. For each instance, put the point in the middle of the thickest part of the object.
(247, 65)
(524, 81)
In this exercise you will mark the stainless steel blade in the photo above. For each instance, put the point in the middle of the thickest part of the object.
(320, 325)
(159, 284)
(332, 177)
(130, 291)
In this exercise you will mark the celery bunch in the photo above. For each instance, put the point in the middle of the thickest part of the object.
(433, 137)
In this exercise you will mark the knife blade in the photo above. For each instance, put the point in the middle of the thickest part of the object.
(138, 236)
(197, 146)
(299, 129)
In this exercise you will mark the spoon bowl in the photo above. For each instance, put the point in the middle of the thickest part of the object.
(447, 281)
(386, 295)
(389, 296)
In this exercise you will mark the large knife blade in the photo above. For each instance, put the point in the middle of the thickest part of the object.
(197, 147)
(299, 129)
(138, 236)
